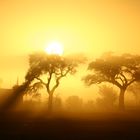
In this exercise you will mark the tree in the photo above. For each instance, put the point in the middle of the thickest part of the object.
(57, 103)
(135, 89)
(121, 71)
(49, 70)
(33, 91)
(107, 97)
(89, 105)
(18, 92)
(74, 103)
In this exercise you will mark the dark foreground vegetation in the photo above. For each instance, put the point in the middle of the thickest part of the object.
(67, 126)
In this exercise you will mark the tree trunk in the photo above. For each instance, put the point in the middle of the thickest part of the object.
(121, 99)
(50, 103)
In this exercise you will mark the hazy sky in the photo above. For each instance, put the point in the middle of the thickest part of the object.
(88, 26)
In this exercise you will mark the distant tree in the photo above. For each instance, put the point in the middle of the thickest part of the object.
(74, 103)
(108, 97)
(89, 105)
(121, 71)
(50, 69)
(135, 89)
(57, 103)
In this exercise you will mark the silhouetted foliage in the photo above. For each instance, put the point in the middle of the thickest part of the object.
(135, 89)
(49, 70)
(108, 97)
(57, 103)
(73, 103)
(121, 71)
(33, 90)
(16, 96)
(89, 105)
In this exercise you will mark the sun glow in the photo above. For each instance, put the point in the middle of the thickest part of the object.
(54, 48)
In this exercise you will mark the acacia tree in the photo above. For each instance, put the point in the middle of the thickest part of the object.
(121, 71)
(49, 70)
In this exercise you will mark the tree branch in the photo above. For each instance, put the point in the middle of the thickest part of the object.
(124, 78)
(119, 78)
(41, 80)
(115, 83)
(56, 85)
(131, 82)
(58, 79)
(48, 84)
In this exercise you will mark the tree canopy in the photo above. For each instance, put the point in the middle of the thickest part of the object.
(50, 69)
(121, 71)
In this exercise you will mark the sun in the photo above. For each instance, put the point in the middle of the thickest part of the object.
(54, 48)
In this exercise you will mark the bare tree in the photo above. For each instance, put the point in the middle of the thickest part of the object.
(121, 71)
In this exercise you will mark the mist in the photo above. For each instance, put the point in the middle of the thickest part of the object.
(70, 69)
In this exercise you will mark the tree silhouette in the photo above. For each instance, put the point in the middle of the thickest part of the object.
(121, 71)
(135, 89)
(16, 97)
(89, 105)
(57, 103)
(74, 103)
(107, 97)
(49, 70)
(33, 90)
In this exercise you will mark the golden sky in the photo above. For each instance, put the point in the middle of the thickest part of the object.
(84, 26)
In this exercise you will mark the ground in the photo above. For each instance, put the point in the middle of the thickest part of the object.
(108, 126)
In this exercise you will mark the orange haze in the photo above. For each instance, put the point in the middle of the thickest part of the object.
(84, 26)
